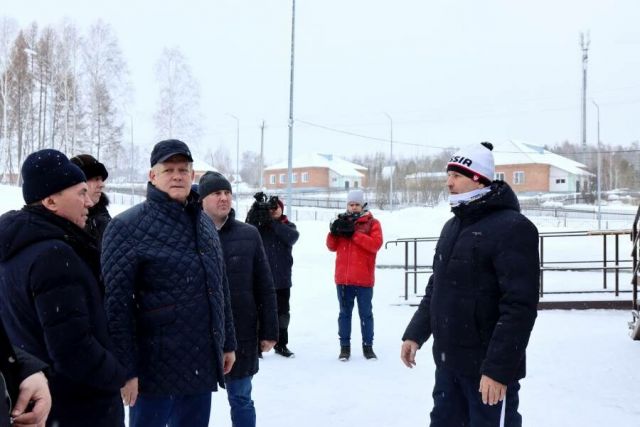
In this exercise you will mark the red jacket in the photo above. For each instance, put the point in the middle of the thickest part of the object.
(356, 256)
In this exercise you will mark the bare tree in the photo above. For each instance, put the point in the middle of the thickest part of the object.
(178, 113)
(8, 31)
(106, 72)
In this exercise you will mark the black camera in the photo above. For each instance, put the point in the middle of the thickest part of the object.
(262, 202)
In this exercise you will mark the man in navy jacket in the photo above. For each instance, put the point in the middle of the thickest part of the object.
(167, 298)
(253, 298)
(481, 300)
(51, 296)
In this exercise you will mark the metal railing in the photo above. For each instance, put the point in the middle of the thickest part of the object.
(616, 265)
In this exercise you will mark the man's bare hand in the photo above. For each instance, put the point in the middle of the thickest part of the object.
(408, 353)
(492, 391)
(34, 389)
(129, 392)
(266, 346)
(228, 360)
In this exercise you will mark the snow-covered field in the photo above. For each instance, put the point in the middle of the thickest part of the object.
(583, 369)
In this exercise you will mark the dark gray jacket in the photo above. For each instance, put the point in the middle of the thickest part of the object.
(253, 298)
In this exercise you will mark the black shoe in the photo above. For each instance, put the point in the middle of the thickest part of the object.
(345, 353)
(282, 350)
(367, 350)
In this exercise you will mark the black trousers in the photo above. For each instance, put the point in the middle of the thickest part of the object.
(282, 297)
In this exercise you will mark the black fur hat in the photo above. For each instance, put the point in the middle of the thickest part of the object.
(90, 166)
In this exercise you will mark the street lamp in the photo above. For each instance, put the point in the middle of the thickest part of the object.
(598, 167)
(237, 155)
(290, 123)
(391, 161)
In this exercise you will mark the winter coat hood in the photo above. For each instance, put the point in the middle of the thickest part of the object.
(33, 224)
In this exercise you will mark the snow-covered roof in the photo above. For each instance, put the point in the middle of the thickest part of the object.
(316, 160)
(201, 165)
(515, 152)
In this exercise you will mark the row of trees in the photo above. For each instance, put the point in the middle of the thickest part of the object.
(59, 89)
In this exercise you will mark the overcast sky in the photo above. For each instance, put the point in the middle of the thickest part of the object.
(448, 73)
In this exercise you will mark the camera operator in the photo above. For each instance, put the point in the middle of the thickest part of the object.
(278, 236)
(356, 237)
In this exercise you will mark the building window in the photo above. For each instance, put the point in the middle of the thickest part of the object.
(305, 176)
(272, 179)
(518, 177)
(283, 178)
(560, 181)
(499, 176)
(355, 184)
(294, 178)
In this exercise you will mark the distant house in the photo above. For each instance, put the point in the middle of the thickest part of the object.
(200, 167)
(530, 168)
(314, 171)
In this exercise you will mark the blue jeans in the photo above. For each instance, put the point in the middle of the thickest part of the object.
(346, 297)
(457, 402)
(172, 411)
(243, 413)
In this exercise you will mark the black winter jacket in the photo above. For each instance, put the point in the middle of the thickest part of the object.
(15, 366)
(167, 298)
(51, 305)
(98, 219)
(278, 238)
(481, 301)
(253, 298)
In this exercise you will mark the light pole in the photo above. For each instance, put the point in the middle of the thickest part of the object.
(391, 161)
(237, 178)
(290, 152)
(598, 167)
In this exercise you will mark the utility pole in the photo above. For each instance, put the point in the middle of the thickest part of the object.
(584, 45)
(290, 158)
(598, 179)
(261, 155)
(390, 162)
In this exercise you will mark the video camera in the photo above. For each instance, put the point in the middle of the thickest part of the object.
(262, 202)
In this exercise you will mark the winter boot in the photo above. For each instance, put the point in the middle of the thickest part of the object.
(282, 350)
(345, 353)
(367, 350)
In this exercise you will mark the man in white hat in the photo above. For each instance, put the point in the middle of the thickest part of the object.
(480, 303)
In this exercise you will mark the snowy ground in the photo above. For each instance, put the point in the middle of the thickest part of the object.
(582, 366)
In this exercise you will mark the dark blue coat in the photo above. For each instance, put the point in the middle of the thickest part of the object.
(51, 305)
(253, 298)
(481, 301)
(278, 238)
(167, 298)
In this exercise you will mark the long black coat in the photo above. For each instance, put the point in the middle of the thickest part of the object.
(481, 301)
(15, 366)
(51, 305)
(253, 298)
(278, 238)
(167, 297)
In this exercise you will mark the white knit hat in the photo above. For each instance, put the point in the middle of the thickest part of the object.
(355, 196)
(475, 162)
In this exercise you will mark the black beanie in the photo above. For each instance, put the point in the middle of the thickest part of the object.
(47, 172)
(90, 166)
(211, 182)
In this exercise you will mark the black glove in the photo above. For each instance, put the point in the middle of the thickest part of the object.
(342, 227)
(259, 217)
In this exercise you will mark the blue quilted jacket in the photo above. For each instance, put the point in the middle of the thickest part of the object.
(167, 297)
